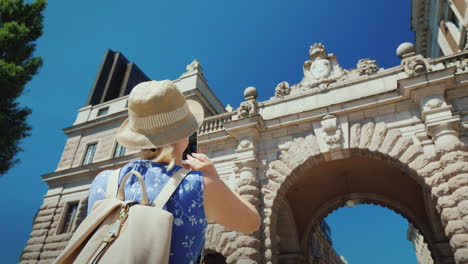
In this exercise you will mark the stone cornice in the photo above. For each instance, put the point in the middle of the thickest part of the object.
(343, 84)
(85, 172)
(98, 122)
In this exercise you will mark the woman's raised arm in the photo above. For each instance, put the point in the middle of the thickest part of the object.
(222, 205)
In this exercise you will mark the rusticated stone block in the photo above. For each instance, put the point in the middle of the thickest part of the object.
(224, 239)
(458, 181)
(459, 241)
(454, 227)
(463, 207)
(456, 168)
(37, 233)
(28, 261)
(45, 212)
(44, 219)
(289, 160)
(446, 201)
(402, 144)
(440, 190)
(450, 214)
(411, 153)
(461, 194)
(58, 238)
(244, 256)
(274, 176)
(247, 241)
(36, 240)
(30, 255)
(390, 140)
(355, 135)
(378, 136)
(465, 223)
(435, 180)
(454, 157)
(421, 161)
(50, 254)
(367, 131)
(55, 246)
(33, 248)
(39, 226)
(430, 169)
(280, 167)
(461, 255)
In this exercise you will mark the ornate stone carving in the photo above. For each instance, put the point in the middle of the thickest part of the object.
(321, 70)
(415, 65)
(248, 107)
(331, 131)
(282, 89)
(367, 67)
(194, 66)
(245, 144)
(433, 103)
(229, 108)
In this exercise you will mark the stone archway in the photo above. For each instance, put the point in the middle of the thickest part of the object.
(441, 173)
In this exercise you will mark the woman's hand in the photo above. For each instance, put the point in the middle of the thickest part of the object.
(200, 162)
(222, 205)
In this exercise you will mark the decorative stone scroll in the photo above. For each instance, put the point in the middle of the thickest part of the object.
(367, 67)
(321, 70)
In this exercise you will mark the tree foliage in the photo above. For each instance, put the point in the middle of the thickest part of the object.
(20, 27)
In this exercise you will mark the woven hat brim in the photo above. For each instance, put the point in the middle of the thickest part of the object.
(134, 140)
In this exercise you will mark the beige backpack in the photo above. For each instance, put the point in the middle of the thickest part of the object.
(118, 231)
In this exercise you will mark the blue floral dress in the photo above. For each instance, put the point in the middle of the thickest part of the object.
(186, 204)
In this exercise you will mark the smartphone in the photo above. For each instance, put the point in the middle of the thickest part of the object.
(192, 146)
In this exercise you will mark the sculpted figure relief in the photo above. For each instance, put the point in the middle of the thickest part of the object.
(194, 66)
(322, 68)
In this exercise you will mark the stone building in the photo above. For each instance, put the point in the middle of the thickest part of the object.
(321, 249)
(423, 254)
(394, 137)
(440, 26)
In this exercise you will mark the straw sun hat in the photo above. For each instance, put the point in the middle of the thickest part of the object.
(158, 115)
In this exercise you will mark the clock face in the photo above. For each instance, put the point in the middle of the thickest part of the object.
(320, 68)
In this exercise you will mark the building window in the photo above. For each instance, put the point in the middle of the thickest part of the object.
(89, 154)
(103, 111)
(119, 151)
(71, 210)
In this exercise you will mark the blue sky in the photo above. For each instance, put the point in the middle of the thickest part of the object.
(239, 44)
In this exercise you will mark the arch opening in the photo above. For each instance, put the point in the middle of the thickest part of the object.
(318, 190)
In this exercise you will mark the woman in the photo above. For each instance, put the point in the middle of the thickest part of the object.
(159, 124)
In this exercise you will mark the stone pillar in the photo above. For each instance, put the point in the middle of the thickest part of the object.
(248, 246)
(441, 125)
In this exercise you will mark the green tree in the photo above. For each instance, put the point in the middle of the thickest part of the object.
(20, 27)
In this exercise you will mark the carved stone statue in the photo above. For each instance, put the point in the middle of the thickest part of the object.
(331, 131)
(322, 68)
(194, 66)
(367, 67)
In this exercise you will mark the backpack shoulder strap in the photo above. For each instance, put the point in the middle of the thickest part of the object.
(170, 187)
(112, 184)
